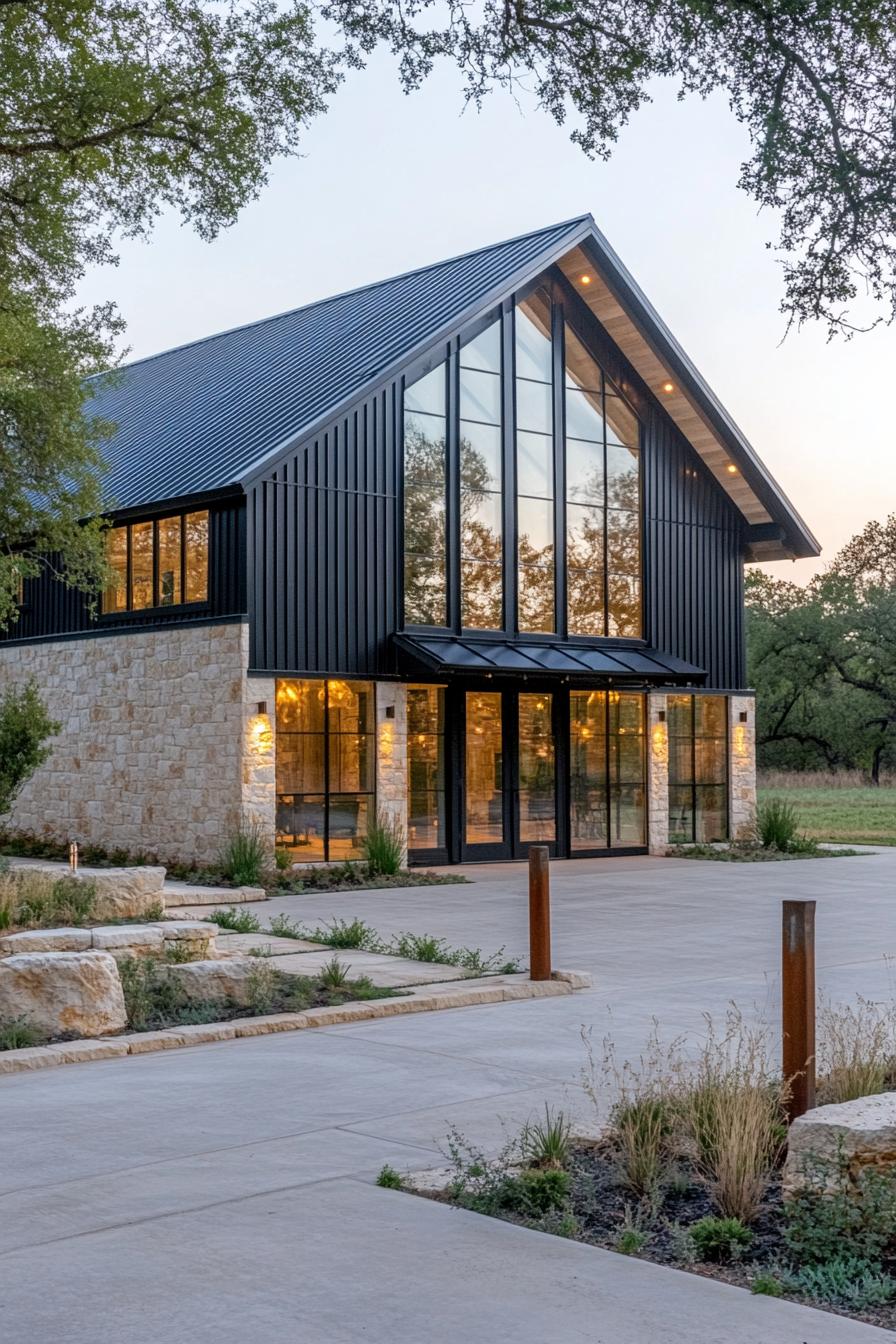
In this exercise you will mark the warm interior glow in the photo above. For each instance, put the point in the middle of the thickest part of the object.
(585, 279)
(668, 387)
(731, 469)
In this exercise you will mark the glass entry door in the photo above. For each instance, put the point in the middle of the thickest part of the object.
(510, 769)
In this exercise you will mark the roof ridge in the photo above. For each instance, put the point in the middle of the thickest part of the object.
(344, 294)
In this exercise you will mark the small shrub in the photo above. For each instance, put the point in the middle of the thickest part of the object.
(776, 824)
(334, 975)
(766, 1284)
(845, 1282)
(150, 998)
(389, 1178)
(179, 953)
(237, 921)
(281, 926)
(282, 860)
(244, 856)
(421, 947)
(720, 1239)
(30, 898)
(832, 1211)
(348, 933)
(682, 1249)
(533, 1192)
(18, 1033)
(384, 846)
(155, 911)
(545, 1143)
(262, 984)
(632, 1237)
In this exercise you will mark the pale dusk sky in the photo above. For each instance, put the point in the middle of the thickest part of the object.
(390, 182)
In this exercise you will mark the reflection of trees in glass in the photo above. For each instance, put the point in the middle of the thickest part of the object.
(424, 522)
(481, 541)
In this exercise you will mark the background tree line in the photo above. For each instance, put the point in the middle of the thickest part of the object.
(823, 660)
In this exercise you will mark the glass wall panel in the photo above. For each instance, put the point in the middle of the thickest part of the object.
(628, 812)
(426, 768)
(325, 766)
(602, 472)
(484, 775)
(196, 536)
(169, 540)
(698, 768)
(538, 819)
(141, 566)
(481, 483)
(115, 597)
(588, 769)
(535, 485)
(425, 596)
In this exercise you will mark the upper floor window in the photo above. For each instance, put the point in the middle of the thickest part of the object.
(539, 469)
(161, 563)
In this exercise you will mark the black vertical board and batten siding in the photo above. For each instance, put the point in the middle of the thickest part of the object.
(325, 545)
(51, 609)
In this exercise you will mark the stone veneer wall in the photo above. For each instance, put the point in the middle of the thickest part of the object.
(392, 754)
(162, 747)
(741, 766)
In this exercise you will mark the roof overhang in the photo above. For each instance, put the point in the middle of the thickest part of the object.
(774, 530)
(443, 655)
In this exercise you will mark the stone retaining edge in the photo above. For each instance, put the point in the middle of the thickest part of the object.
(176, 1038)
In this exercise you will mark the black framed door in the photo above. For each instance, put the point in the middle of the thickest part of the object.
(509, 793)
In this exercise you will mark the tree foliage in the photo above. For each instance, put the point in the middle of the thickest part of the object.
(811, 80)
(823, 659)
(111, 113)
(25, 726)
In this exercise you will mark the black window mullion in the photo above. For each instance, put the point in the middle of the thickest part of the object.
(607, 759)
(606, 506)
(327, 771)
(155, 562)
(694, 768)
(453, 487)
(129, 568)
(559, 409)
(509, 512)
(183, 557)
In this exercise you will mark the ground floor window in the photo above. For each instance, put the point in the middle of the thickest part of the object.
(426, 768)
(325, 766)
(698, 768)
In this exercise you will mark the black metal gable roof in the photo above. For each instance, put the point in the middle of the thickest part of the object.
(202, 416)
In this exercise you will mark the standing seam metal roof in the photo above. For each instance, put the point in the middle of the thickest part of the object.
(198, 417)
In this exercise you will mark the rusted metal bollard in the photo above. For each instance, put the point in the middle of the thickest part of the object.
(539, 913)
(798, 1004)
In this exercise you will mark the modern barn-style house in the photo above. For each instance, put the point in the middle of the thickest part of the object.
(464, 547)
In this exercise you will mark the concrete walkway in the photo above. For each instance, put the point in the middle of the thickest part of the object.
(225, 1193)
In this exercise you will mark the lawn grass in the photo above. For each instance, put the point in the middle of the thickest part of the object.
(854, 814)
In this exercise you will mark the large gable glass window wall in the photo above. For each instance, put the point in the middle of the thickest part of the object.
(529, 474)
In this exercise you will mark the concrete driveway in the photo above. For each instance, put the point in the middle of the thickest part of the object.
(225, 1193)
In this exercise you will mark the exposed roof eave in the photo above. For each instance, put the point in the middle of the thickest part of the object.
(651, 345)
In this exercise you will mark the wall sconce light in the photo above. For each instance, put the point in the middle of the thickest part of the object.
(743, 716)
(262, 707)
(662, 716)
(390, 711)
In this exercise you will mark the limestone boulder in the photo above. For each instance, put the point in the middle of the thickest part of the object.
(209, 981)
(128, 940)
(46, 940)
(832, 1141)
(121, 893)
(63, 993)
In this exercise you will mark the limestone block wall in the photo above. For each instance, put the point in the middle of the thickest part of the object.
(741, 765)
(392, 753)
(161, 748)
